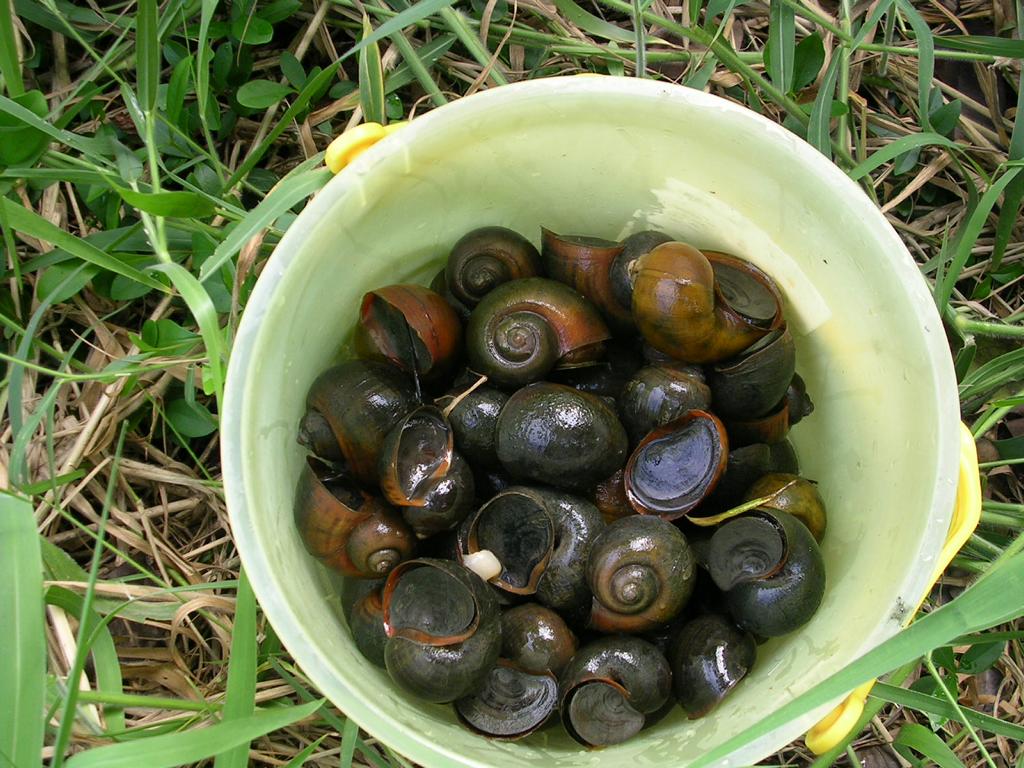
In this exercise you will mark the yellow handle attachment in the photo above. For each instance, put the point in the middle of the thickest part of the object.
(837, 724)
(353, 142)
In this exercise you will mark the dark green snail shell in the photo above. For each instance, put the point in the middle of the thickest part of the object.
(484, 259)
(511, 703)
(658, 394)
(800, 405)
(366, 621)
(771, 570)
(475, 421)
(446, 503)
(709, 657)
(536, 639)
(610, 687)
(555, 435)
(752, 383)
(563, 585)
(443, 627)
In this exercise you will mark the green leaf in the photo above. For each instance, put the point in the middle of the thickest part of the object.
(591, 24)
(34, 225)
(177, 89)
(1010, 448)
(147, 50)
(190, 419)
(920, 739)
(1015, 192)
(983, 656)
(411, 15)
(192, 745)
(23, 639)
(165, 336)
(252, 30)
(870, 23)
(184, 205)
(10, 67)
(59, 565)
(808, 60)
(94, 148)
(241, 690)
(349, 737)
(203, 51)
(819, 134)
(55, 285)
(292, 69)
(1004, 47)
(371, 79)
(21, 143)
(278, 10)
(781, 46)
(260, 94)
(945, 118)
(898, 147)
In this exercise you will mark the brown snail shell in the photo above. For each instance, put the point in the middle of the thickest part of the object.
(677, 465)
(610, 498)
(412, 327)
(366, 622)
(523, 329)
(770, 568)
(795, 495)
(584, 264)
(642, 571)
(443, 628)
(611, 687)
(345, 528)
(702, 307)
(359, 402)
(771, 428)
(484, 259)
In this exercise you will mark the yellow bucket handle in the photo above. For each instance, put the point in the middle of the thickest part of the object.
(838, 723)
(353, 142)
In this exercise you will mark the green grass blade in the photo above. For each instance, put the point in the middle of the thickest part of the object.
(241, 691)
(920, 739)
(898, 147)
(34, 225)
(925, 60)
(417, 65)
(640, 42)
(205, 314)
(22, 640)
(594, 25)
(349, 737)
(983, 605)
(1003, 47)
(203, 52)
(194, 744)
(933, 705)
(371, 79)
(101, 645)
(93, 148)
(10, 67)
(300, 759)
(781, 44)
(1015, 192)
(819, 135)
(972, 229)
(408, 17)
(147, 52)
(176, 204)
(457, 23)
(288, 192)
(870, 23)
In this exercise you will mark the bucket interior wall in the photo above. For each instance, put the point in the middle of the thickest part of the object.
(604, 159)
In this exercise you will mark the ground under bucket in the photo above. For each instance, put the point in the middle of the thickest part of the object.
(607, 157)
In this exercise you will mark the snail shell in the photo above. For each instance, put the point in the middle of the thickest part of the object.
(486, 258)
(642, 572)
(522, 329)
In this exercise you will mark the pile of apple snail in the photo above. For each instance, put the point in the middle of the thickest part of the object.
(560, 485)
